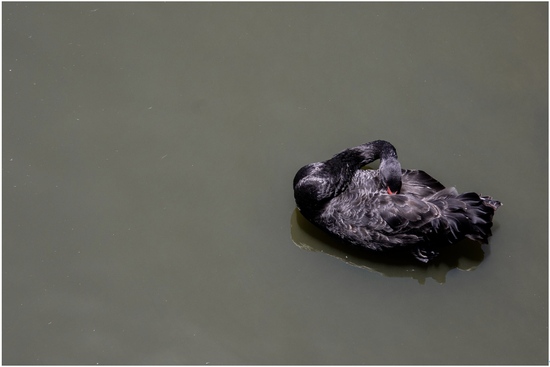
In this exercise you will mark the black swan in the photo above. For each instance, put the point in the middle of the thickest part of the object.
(389, 209)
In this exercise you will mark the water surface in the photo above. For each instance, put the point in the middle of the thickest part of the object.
(148, 157)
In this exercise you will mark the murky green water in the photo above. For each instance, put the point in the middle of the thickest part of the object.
(148, 157)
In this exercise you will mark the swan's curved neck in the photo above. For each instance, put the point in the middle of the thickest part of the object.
(316, 183)
(348, 161)
(370, 152)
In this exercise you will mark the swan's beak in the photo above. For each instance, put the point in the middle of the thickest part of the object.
(391, 192)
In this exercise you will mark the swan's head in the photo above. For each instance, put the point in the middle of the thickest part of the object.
(390, 172)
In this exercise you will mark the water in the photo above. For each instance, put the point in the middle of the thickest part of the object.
(148, 156)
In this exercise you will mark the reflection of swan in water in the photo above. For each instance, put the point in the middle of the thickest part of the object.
(466, 255)
(389, 210)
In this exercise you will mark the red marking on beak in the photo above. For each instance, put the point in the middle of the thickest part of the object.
(391, 192)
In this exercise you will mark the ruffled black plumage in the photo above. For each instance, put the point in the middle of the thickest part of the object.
(362, 207)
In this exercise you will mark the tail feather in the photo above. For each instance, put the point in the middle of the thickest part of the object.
(467, 215)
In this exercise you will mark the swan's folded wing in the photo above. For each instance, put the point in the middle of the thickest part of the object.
(419, 184)
(402, 212)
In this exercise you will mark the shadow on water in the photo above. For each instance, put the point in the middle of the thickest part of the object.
(465, 255)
